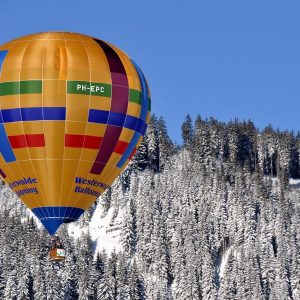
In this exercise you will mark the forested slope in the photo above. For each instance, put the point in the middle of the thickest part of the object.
(215, 218)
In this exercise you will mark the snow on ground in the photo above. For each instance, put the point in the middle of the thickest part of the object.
(75, 230)
(224, 261)
(106, 236)
(295, 183)
(105, 232)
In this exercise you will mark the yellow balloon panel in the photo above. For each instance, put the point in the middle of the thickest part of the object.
(73, 110)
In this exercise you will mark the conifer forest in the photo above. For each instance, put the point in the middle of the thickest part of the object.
(217, 217)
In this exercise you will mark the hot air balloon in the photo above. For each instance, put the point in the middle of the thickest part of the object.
(73, 111)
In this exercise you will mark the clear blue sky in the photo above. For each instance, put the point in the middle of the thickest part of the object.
(224, 59)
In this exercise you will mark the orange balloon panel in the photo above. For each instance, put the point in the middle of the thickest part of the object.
(73, 110)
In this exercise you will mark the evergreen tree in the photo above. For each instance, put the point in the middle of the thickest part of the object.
(10, 291)
(165, 144)
(136, 284)
(104, 289)
(153, 144)
(187, 132)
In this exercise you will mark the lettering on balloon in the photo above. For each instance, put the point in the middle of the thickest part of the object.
(89, 88)
(86, 191)
(22, 182)
(92, 182)
(27, 191)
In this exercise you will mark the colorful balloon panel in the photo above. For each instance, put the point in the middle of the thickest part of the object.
(73, 110)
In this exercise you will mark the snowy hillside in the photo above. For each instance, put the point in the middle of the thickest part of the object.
(218, 218)
(105, 229)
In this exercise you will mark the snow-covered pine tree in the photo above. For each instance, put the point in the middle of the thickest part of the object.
(165, 144)
(187, 131)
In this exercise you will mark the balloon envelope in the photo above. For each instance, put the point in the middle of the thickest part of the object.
(73, 110)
